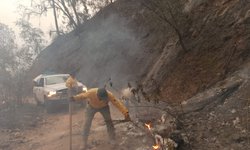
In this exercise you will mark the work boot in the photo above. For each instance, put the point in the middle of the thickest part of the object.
(112, 143)
(84, 144)
(82, 147)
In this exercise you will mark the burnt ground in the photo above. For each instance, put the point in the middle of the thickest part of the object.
(14, 120)
(223, 126)
(20, 116)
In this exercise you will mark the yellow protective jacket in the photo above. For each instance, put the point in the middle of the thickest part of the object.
(71, 82)
(95, 102)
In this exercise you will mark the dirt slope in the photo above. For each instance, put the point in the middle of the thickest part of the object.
(223, 124)
(217, 37)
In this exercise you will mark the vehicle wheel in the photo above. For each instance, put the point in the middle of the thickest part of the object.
(38, 103)
(48, 106)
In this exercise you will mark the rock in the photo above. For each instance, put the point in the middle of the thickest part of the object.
(233, 111)
(144, 148)
(247, 16)
(214, 139)
(163, 130)
(17, 130)
(236, 121)
(4, 146)
(30, 146)
(21, 141)
(124, 139)
(17, 134)
(144, 140)
(245, 19)
(243, 131)
(100, 128)
(185, 138)
(136, 134)
(32, 124)
(95, 142)
(238, 138)
(224, 123)
(130, 126)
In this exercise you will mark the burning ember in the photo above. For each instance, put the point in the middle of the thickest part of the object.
(148, 126)
(156, 147)
(160, 142)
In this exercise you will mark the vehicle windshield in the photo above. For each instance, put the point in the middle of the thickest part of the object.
(55, 80)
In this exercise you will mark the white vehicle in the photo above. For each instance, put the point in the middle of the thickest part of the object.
(51, 90)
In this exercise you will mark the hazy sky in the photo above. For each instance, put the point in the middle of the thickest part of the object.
(9, 14)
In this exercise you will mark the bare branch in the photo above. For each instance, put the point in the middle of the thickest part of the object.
(69, 15)
(158, 11)
(73, 4)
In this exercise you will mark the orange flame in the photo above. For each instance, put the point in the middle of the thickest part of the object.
(156, 147)
(148, 126)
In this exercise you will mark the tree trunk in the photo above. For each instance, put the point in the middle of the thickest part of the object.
(84, 3)
(73, 4)
(55, 17)
(71, 19)
(173, 24)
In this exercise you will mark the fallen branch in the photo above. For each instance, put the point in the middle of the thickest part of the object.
(213, 95)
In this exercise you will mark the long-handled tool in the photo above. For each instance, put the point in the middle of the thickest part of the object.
(70, 120)
(115, 122)
(71, 84)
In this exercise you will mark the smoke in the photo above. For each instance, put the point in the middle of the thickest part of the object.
(109, 50)
(126, 92)
(106, 48)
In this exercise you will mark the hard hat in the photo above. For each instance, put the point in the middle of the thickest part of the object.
(102, 94)
(73, 73)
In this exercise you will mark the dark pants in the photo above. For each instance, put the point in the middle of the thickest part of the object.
(90, 113)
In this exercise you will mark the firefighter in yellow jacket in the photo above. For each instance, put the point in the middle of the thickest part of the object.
(71, 82)
(98, 99)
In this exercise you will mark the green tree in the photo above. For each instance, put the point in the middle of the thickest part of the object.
(33, 43)
(7, 59)
(7, 47)
(15, 61)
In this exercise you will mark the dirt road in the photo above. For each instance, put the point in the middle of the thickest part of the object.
(53, 132)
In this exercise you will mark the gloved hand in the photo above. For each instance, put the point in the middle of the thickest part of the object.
(127, 117)
(71, 99)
